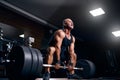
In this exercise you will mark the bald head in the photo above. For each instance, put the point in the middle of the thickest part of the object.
(68, 23)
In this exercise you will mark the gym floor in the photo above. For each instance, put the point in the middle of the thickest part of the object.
(101, 78)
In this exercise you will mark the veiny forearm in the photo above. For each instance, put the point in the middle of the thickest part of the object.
(58, 50)
(73, 58)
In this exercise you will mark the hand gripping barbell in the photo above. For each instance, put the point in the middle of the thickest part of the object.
(29, 61)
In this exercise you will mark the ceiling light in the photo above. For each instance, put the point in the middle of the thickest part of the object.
(97, 12)
(22, 35)
(116, 33)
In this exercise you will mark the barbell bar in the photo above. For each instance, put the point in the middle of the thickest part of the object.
(63, 67)
(49, 65)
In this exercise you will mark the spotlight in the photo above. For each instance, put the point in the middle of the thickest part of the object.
(116, 33)
(97, 12)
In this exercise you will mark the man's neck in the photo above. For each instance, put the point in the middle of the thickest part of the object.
(67, 31)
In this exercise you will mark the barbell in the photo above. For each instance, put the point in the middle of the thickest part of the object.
(63, 67)
(27, 61)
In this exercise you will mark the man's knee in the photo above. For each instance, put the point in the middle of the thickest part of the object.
(51, 50)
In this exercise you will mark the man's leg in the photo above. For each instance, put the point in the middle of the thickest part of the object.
(71, 72)
(51, 51)
(49, 60)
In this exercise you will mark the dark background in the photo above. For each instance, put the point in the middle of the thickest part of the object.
(94, 40)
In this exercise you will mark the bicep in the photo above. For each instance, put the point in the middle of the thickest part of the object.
(58, 39)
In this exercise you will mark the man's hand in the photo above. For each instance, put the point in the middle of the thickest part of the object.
(70, 67)
(57, 66)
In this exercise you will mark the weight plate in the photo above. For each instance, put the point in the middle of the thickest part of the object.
(40, 62)
(88, 68)
(34, 61)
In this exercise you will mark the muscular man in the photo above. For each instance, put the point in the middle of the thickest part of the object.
(62, 46)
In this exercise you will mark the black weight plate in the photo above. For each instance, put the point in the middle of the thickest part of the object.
(40, 62)
(20, 64)
(34, 61)
(88, 68)
(27, 61)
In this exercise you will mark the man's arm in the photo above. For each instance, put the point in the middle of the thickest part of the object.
(71, 50)
(59, 35)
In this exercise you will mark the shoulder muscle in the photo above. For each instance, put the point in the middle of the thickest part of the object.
(60, 33)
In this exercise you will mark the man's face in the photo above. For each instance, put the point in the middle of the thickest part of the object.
(68, 23)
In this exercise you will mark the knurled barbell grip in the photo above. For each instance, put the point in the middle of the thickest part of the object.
(64, 67)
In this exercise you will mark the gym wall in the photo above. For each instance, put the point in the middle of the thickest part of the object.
(29, 27)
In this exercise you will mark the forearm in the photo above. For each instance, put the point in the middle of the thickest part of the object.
(73, 58)
(58, 50)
